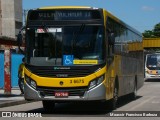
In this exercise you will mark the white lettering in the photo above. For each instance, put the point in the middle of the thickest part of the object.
(59, 14)
(117, 115)
(133, 115)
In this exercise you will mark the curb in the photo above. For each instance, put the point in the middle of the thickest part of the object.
(13, 103)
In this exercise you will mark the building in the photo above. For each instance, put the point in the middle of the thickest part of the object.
(10, 18)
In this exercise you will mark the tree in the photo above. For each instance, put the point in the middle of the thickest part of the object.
(148, 34)
(156, 30)
(152, 33)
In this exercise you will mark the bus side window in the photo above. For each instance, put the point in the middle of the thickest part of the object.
(111, 42)
(110, 36)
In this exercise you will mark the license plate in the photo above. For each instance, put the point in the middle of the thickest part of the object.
(61, 94)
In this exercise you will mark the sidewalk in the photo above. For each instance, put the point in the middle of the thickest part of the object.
(14, 99)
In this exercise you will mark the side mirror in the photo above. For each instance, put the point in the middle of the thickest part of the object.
(19, 39)
(20, 36)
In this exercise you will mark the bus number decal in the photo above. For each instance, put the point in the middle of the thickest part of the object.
(76, 81)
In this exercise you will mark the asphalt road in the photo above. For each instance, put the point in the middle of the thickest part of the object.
(148, 100)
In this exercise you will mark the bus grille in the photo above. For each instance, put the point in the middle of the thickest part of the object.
(61, 74)
(72, 91)
(50, 72)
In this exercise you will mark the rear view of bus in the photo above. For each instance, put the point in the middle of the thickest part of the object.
(152, 66)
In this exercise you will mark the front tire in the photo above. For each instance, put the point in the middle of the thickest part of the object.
(134, 93)
(21, 84)
(114, 101)
(48, 105)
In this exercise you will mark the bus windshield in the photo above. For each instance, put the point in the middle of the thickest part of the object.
(49, 45)
(153, 62)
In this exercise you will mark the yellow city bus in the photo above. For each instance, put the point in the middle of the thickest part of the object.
(76, 53)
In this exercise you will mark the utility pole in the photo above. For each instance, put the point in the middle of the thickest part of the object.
(25, 12)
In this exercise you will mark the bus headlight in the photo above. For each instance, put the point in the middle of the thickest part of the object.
(92, 84)
(31, 82)
(96, 82)
(100, 79)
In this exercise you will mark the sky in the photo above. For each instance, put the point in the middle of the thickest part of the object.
(140, 14)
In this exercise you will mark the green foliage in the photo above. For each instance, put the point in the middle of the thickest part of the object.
(152, 33)
(157, 30)
(148, 34)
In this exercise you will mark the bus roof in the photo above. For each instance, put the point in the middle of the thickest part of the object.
(65, 7)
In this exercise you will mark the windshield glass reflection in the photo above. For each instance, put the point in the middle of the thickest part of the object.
(52, 44)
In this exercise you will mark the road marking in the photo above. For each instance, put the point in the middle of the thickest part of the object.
(141, 104)
(155, 102)
(11, 98)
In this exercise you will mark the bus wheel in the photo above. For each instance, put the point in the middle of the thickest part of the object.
(134, 93)
(48, 105)
(114, 101)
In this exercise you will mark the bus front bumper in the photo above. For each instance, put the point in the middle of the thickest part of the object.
(96, 93)
(150, 77)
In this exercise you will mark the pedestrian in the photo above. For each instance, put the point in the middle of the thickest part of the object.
(21, 77)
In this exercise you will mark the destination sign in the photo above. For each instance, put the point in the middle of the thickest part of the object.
(64, 15)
